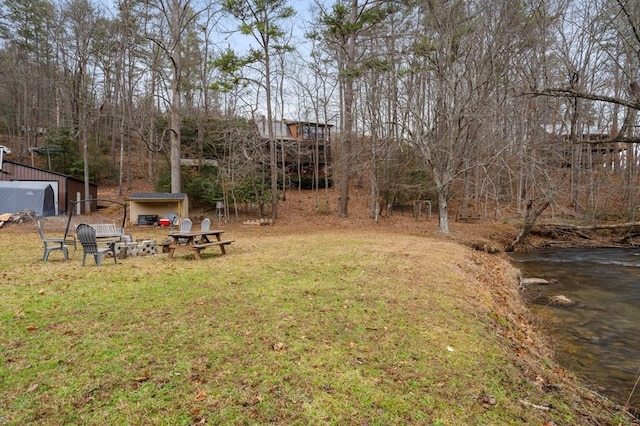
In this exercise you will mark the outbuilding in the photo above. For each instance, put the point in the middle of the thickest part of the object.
(146, 208)
(36, 196)
(65, 188)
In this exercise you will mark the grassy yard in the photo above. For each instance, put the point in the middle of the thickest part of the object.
(344, 328)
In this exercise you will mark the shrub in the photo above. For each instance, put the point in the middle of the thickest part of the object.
(204, 191)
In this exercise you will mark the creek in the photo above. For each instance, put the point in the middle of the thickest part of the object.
(597, 337)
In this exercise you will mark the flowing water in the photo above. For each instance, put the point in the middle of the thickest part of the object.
(597, 338)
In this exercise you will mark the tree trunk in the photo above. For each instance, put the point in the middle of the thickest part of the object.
(530, 219)
(174, 140)
(347, 142)
(443, 220)
(175, 119)
(273, 158)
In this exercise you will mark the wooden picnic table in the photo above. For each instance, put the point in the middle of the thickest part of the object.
(197, 241)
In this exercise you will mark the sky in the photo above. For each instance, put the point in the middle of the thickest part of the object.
(226, 35)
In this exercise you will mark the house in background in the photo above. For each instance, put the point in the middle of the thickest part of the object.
(598, 148)
(306, 146)
(65, 188)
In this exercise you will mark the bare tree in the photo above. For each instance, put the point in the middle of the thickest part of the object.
(262, 20)
(316, 91)
(343, 26)
(167, 31)
(599, 91)
(80, 19)
(28, 55)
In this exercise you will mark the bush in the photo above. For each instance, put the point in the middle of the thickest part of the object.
(307, 182)
(204, 191)
(206, 187)
(163, 183)
(252, 189)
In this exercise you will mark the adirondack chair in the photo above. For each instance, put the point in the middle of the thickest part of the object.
(53, 244)
(185, 226)
(205, 225)
(87, 237)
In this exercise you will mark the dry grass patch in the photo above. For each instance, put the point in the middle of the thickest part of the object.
(320, 328)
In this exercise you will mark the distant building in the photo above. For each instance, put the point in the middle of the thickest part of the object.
(306, 145)
(194, 163)
(601, 146)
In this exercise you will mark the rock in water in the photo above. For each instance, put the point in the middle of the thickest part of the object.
(560, 300)
(534, 281)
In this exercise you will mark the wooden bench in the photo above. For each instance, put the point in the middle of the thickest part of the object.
(198, 247)
(109, 230)
(401, 208)
(468, 217)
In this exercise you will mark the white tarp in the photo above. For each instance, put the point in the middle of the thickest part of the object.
(37, 196)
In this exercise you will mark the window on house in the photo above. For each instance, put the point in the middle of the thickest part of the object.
(312, 132)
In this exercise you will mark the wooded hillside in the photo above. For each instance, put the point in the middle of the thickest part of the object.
(480, 107)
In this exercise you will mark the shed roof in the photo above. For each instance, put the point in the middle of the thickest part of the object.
(157, 196)
(24, 185)
(24, 166)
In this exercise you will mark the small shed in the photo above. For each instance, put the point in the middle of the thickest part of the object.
(65, 188)
(37, 196)
(145, 205)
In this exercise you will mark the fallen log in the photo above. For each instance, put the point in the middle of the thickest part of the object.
(593, 227)
(602, 235)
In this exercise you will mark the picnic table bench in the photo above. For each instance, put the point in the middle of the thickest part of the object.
(467, 216)
(202, 246)
(197, 241)
(400, 208)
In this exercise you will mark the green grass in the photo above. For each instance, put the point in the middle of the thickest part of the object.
(321, 328)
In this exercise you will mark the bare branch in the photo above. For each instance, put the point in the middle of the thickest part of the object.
(629, 16)
(573, 93)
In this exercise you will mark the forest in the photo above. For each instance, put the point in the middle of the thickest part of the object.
(488, 107)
